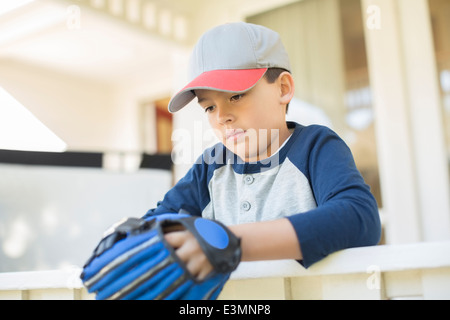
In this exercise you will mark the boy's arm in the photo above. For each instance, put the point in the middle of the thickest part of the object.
(267, 240)
(347, 213)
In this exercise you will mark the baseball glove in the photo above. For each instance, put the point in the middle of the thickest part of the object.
(134, 262)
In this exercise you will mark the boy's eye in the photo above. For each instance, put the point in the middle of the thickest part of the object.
(209, 109)
(236, 97)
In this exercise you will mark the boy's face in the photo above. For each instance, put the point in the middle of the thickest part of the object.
(251, 124)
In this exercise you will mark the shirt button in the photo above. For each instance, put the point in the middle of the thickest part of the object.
(245, 205)
(249, 179)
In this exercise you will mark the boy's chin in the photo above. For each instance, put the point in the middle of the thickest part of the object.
(245, 153)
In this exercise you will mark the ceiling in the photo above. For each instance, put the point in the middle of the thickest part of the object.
(80, 41)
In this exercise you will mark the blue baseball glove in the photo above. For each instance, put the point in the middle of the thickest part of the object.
(134, 262)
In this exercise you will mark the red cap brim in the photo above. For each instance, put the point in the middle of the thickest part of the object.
(219, 80)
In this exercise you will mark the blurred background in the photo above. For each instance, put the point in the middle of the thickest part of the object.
(86, 138)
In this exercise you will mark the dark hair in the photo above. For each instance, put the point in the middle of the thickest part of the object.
(272, 75)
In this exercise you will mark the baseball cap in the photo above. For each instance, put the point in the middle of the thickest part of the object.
(231, 57)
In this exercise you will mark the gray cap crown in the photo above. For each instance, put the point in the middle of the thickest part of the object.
(231, 46)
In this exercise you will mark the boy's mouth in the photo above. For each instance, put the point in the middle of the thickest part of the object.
(234, 134)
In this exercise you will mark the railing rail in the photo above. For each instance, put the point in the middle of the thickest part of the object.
(411, 271)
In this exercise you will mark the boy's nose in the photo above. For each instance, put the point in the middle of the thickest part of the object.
(224, 116)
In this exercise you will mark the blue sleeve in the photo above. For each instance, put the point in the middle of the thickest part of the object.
(190, 195)
(347, 213)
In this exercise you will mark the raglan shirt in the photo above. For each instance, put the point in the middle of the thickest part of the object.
(312, 181)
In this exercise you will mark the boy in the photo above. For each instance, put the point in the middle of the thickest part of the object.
(287, 191)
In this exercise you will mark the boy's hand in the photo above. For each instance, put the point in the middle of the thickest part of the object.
(135, 261)
(189, 251)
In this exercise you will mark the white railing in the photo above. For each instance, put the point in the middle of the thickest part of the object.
(413, 271)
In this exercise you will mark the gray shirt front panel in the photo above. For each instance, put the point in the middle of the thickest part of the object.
(242, 198)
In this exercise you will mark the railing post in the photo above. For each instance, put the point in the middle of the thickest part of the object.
(409, 129)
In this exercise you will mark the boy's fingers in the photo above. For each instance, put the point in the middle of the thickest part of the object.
(203, 272)
(190, 252)
(176, 239)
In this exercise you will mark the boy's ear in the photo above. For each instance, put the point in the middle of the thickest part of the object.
(287, 87)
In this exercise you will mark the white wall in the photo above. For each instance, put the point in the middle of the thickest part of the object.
(53, 217)
(79, 111)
